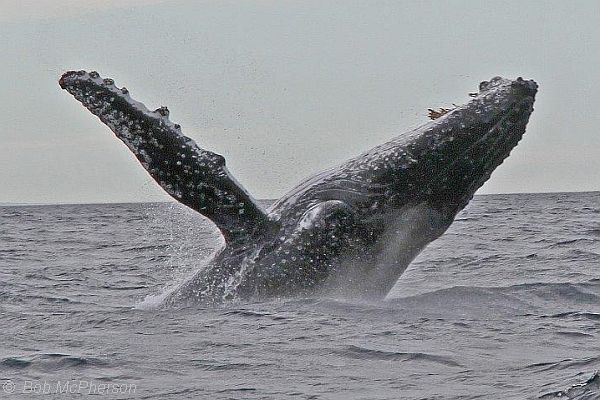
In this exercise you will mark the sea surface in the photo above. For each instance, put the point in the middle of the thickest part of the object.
(505, 305)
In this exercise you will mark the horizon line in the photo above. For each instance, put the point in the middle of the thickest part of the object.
(15, 204)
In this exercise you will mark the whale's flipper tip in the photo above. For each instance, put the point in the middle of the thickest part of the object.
(195, 177)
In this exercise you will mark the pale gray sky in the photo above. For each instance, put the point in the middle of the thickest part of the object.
(285, 88)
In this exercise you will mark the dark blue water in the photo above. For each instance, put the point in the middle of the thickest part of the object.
(506, 305)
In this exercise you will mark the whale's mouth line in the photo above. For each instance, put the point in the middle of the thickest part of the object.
(499, 143)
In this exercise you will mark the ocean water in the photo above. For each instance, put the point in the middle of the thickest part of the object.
(505, 305)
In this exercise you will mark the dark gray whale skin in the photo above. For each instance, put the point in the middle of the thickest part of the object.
(350, 230)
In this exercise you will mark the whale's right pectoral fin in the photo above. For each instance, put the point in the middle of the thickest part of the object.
(192, 175)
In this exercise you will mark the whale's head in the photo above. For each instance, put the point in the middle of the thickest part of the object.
(439, 165)
(365, 220)
(407, 192)
(456, 153)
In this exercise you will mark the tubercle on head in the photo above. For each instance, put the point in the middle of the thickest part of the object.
(163, 110)
(485, 85)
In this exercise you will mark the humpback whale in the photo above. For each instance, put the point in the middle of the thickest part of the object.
(353, 228)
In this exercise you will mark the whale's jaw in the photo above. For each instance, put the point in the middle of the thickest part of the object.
(494, 122)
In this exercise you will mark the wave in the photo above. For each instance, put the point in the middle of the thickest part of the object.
(553, 300)
(588, 390)
(50, 362)
(548, 300)
(577, 315)
(363, 353)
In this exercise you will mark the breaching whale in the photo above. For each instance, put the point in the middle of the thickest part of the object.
(355, 227)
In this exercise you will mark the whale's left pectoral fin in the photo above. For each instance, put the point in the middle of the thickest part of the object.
(195, 177)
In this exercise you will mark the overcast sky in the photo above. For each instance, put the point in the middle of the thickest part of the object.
(283, 89)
